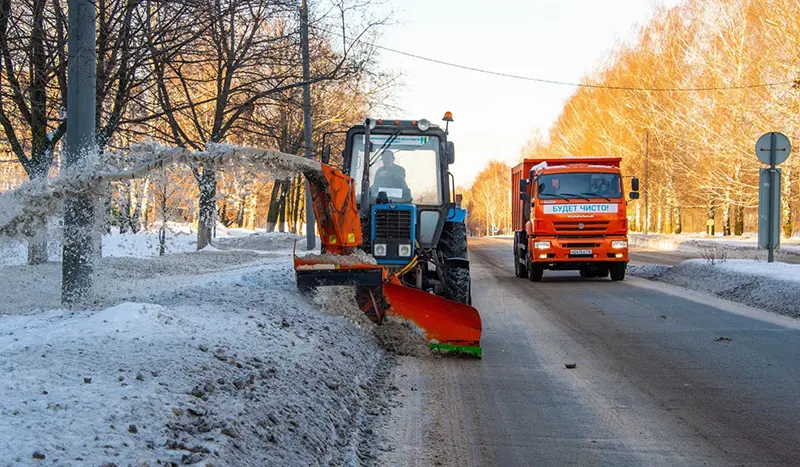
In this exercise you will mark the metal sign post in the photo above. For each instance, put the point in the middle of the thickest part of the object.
(773, 149)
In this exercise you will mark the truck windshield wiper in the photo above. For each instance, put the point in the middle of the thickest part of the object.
(579, 196)
(597, 195)
(553, 194)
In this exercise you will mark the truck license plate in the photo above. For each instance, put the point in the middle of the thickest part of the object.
(580, 252)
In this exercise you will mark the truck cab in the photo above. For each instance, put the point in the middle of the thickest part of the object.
(570, 214)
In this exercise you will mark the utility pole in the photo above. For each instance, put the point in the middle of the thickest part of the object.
(646, 185)
(78, 252)
(310, 228)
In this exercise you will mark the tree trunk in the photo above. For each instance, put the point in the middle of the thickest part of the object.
(712, 216)
(298, 196)
(124, 208)
(37, 244)
(208, 206)
(678, 224)
(274, 204)
(282, 205)
(162, 232)
(251, 219)
(726, 217)
(240, 212)
(738, 215)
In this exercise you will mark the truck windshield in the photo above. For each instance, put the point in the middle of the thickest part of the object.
(406, 169)
(579, 185)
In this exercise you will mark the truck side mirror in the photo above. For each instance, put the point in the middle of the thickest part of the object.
(326, 154)
(451, 152)
(635, 184)
(523, 185)
(634, 195)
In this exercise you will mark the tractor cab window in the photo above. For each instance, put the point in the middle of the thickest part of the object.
(405, 167)
(579, 185)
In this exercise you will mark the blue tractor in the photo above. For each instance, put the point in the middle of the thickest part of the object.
(411, 218)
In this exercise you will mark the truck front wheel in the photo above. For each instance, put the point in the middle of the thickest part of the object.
(535, 271)
(618, 271)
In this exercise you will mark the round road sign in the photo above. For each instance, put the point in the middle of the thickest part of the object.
(764, 147)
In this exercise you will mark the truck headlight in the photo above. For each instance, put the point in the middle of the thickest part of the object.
(541, 245)
(379, 249)
(619, 244)
(404, 250)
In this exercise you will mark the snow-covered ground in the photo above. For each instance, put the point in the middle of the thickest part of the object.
(770, 286)
(180, 238)
(199, 358)
(697, 242)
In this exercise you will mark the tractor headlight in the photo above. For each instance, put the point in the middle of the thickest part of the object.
(423, 125)
(379, 249)
(404, 250)
(617, 244)
(541, 245)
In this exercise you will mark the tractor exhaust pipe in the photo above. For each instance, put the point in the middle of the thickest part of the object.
(365, 185)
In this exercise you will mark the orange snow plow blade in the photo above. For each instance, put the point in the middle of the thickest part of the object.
(447, 325)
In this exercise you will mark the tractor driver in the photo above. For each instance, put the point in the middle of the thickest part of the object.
(390, 175)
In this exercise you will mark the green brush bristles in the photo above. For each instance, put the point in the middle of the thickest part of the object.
(469, 350)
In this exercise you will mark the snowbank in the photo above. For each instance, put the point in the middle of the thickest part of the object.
(697, 242)
(770, 286)
(197, 358)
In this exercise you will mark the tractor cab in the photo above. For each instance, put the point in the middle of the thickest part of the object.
(404, 165)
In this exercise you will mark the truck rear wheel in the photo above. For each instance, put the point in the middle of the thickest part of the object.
(519, 266)
(618, 271)
(453, 244)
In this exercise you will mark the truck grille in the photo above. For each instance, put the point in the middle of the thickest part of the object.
(391, 224)
(581, 245)
(575, 226)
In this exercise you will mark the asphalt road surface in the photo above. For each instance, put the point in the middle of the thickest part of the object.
(663, 377)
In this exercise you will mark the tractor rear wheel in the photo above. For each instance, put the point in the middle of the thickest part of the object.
(453, 244)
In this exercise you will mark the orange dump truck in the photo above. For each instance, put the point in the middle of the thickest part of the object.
(570, 214)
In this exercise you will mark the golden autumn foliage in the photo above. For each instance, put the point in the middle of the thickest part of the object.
(684, 105)
(487, 201)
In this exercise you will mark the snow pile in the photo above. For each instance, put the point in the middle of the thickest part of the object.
(182, 366)
(395, 336)
(647, 271)
(357, 257)
(770, 286)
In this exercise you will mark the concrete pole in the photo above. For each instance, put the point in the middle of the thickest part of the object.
(310, 227)
(77, 255)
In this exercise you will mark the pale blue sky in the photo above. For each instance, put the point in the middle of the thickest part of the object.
(552, 39)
